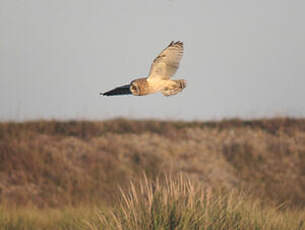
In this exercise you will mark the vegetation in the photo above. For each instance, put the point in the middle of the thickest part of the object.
(148, 174)
(178, 204)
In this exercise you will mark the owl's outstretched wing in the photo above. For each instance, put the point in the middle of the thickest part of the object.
(166, 64)
(122, 90)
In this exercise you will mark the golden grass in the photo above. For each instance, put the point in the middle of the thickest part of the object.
(177, 203)
(53, 169)
(28, 218)
(168, 202)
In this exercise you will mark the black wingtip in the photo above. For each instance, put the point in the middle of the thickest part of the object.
(122, 90)
(179, 43)
(105, 94)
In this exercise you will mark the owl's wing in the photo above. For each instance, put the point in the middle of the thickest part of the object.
(122, 90)
(166, 64)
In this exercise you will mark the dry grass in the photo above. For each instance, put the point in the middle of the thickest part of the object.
(177, 203)
(54, 165)
(29, 218)
(50, 164)
(164, 203)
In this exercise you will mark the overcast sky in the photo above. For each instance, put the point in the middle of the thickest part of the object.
(242, 58)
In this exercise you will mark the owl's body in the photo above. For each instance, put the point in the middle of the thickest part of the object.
(162, 69)
(145, 86)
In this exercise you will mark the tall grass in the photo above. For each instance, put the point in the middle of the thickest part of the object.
(54, 174)
(169, 202)
(54, 164)
(30, 218)
(177, 203)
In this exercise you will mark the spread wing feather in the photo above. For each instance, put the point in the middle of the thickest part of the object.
(166, 64)
(122, 90)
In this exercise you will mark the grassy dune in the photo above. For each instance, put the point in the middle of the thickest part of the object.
(126, 174)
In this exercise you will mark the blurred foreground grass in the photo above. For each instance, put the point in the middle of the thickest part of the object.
(198, 175)
(166, 203)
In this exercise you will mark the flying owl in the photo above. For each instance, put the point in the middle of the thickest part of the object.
(162, 69)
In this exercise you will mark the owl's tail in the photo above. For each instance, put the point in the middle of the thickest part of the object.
(175, 86)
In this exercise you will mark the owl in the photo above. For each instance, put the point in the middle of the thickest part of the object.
(159, 79)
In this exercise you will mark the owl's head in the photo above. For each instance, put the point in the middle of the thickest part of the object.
(134, 88)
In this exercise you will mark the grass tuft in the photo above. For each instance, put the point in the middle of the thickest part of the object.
(178, 203)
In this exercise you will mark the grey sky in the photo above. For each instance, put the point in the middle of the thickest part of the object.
(242, 58)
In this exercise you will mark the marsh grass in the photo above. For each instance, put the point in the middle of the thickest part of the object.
(229, 174)
(30, 218)
(178, 203)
